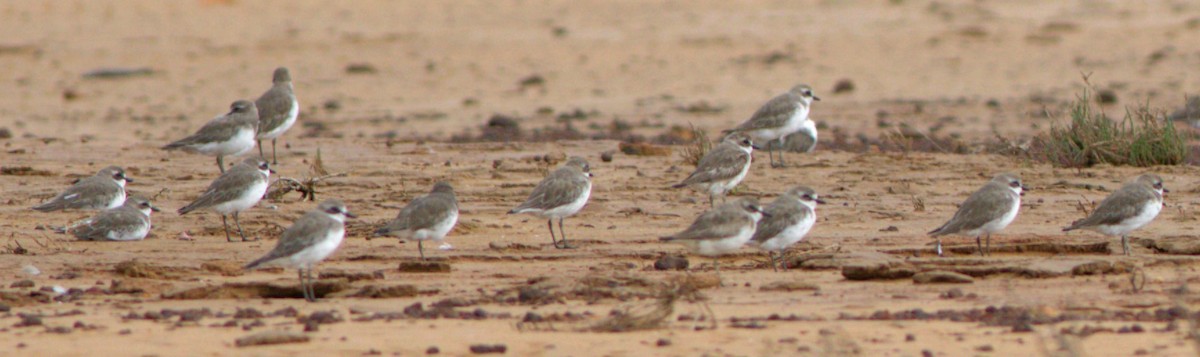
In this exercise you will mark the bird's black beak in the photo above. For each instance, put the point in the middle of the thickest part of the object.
(272, 171)
(1165, 190)
(155, 209)
(820, 201)
(764, 214)
(127, 179)
(756, 147)
(816, 98)
(351, 215)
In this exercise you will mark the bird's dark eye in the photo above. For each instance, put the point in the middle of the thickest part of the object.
(1014, 184)
(1158, 185)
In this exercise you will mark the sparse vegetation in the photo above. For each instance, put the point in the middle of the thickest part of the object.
(1091, 137)
(696, 149)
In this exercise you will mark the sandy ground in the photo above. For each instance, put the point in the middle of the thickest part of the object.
(438, 70)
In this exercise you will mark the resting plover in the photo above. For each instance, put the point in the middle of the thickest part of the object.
(105, 189)
(277, 111)
(236, 190)
(722, 168)
(227, 135)
(309, 240)
(129, 222)
(790, 218)
(429, 217)
(560, 195)
(1132, 206)
(785, 114)
(988, 210)
(721, 230)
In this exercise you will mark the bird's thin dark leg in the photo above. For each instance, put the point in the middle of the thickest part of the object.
(221, 163)
(989, 244)
(771, 255)
(260, 149)
(782, 150)
(421, 248)
(274, 159)
(550, 226)
(939, 246)
(225, 223)
(239, 227)
(312, 283)
(563, 233)
(303, 289)
(711, 200)
(979, 244)
(1125, 244)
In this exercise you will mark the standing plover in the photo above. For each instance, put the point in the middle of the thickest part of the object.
(131, 221)
(236, 190)
(802, 141)
(780, 116)
(227, 135)
(986, 211)
(1132, 206)
(309, 240)
(277, 111)
(722, 168)
(790, 218)
(429, 217)
(560, 195)
(721, 230)
(105, 189)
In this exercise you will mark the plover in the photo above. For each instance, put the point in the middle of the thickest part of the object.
(722, 168)
(721, 230)
(429, 217)
(1132, 206)
(227, 135)
(309, 240)
(105, 189)
(780, 116)
(131, 221)
(277, 111)
(560, 195)
(236, 190)
(792, 215)
(988, 210)
(803, 141)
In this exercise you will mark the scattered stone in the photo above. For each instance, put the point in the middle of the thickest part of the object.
(5, 308)
(424, 267)
(532, 295)
(662, 342)
(394, 291)
(985, 348)
(480, 349)
(118, 72)
(844, 85)
(334, 273)
(606, 156)
(432, 350)
(644, 149)
(910, 337)
(22, 284)
(1106, 96)
(62, 330)
(942, 277)
(789, 286)
(952, 294)
(29, 320)
(1022, 326)
(671, 262)
(5, 133)
(360, 68)
(271, 338)
(876, 270)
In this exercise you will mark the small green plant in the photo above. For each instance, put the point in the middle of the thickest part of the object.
(1090, 138)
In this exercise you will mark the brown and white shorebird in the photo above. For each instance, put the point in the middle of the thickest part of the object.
(722, 168)
(236, 190)
(789, 218)
(227, 135)
(988, 210)
(129, 222)
(560, 195)
(1132, 206)
(105, 189)
(721, 230)
(782, 115)
(277, 111)
(429, 217)
(309, 240)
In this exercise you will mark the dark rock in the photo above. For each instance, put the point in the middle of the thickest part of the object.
(424, 267)
(22, 284)
(360, 68)
(789, 286)
(942, 277)
(671, 262)
(532, 295)
(843, 86)
(1106, 96)
(662, 342)
(432, 350)
(952, 294)
(29, 320)
(876, 270)
(606, 156)
(480, 349)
